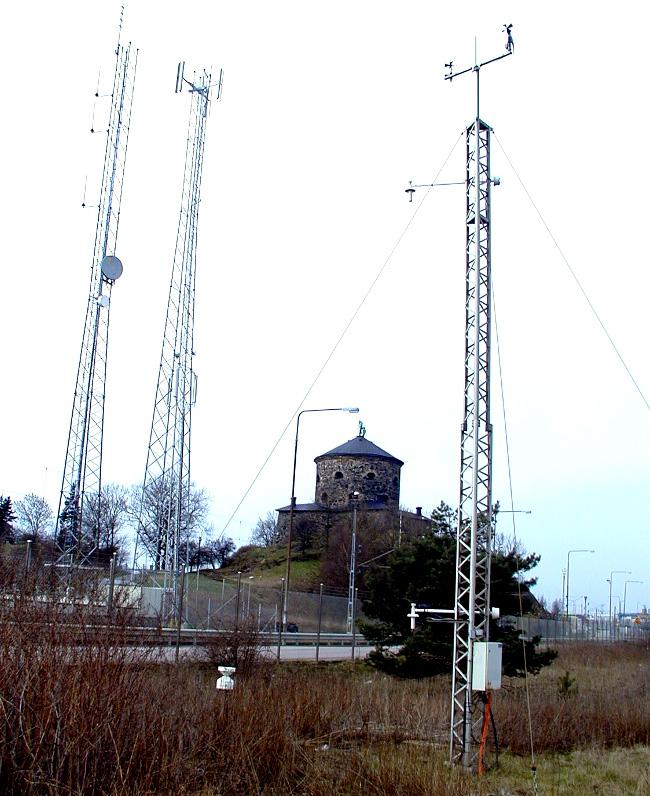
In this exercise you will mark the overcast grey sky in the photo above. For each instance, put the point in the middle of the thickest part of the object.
(328, 110)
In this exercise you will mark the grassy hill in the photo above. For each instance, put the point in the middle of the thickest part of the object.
(269, 564)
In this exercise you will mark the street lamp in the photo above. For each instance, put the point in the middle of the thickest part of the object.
(568, 564)
(625, 592)
(285, 599)
(353, 565)
(611, 577)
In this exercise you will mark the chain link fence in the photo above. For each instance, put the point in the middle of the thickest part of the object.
(213, 604)
(580, 628)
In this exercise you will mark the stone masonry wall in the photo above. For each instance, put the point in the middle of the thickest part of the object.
(376, 479)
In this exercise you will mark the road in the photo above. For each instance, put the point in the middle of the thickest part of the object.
(288, 653)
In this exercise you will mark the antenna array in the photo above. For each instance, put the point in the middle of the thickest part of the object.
(165, 514)
(78, 518)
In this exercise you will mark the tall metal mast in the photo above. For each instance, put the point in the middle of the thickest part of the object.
(166, 486)
(472, 601)
(82, 473)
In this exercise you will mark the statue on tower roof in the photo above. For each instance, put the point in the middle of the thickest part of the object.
(362, 429)
(510, 45)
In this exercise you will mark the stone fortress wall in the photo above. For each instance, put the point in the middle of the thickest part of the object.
(376, 479)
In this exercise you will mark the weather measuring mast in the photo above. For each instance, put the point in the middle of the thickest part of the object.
(166, 486)
(472, 601)
(77, 525)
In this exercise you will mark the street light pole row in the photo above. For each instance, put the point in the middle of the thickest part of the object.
(568, 565)
(625, 593)
(610, 580)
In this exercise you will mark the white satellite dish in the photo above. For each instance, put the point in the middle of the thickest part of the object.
(111, 267)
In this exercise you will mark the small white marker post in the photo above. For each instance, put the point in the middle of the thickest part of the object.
(226, 681)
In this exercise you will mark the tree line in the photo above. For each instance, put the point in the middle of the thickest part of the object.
(109, 522)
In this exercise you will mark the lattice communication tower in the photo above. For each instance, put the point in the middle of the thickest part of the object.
(473, 553)
(79, 512)
(166, 499)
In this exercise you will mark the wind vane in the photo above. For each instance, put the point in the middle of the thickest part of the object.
(510, 48)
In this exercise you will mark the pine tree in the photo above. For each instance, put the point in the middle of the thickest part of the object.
(424, 572)
(7, 518)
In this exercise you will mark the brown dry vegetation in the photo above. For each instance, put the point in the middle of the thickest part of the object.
(103, 718)
(607, 702)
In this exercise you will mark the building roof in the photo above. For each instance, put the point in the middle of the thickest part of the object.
(303, 507)
(370, 505)
(360, 446)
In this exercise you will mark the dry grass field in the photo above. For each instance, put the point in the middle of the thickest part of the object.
(101, 718)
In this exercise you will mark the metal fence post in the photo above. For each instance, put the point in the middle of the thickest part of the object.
(320, 620)
(28, 557)
(354, 622)
(179, 618)
(111, 583)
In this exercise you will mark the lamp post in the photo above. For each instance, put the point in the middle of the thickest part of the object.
(237, 603)
(353, 565)
(568, 564)
(611, 578)
(285, 599)
(279, 624)
(625, 593)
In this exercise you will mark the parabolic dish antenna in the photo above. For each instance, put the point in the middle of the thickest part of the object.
(111, 267)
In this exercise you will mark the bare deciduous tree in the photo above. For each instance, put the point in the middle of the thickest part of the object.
(213, 552)
(34, 516)
(266, 532)
(104, 518)
(154, 509)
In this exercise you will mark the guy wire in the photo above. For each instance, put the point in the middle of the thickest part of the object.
(575, 278)
(533, 766)
(343, 333)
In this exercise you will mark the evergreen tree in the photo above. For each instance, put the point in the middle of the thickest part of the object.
(7, 518)
(444, 520)
(68, 522)
(424, 572)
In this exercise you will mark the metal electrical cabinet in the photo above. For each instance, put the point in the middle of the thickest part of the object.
(486, 666)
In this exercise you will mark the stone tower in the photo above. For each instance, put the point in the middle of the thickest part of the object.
(357, 466)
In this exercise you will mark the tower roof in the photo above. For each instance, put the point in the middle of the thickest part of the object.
(360, 446)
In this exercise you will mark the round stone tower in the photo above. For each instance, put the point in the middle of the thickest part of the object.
(357, 466)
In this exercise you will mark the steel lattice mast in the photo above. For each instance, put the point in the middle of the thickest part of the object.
(473, 551)
(166, 485)
(82, 474)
